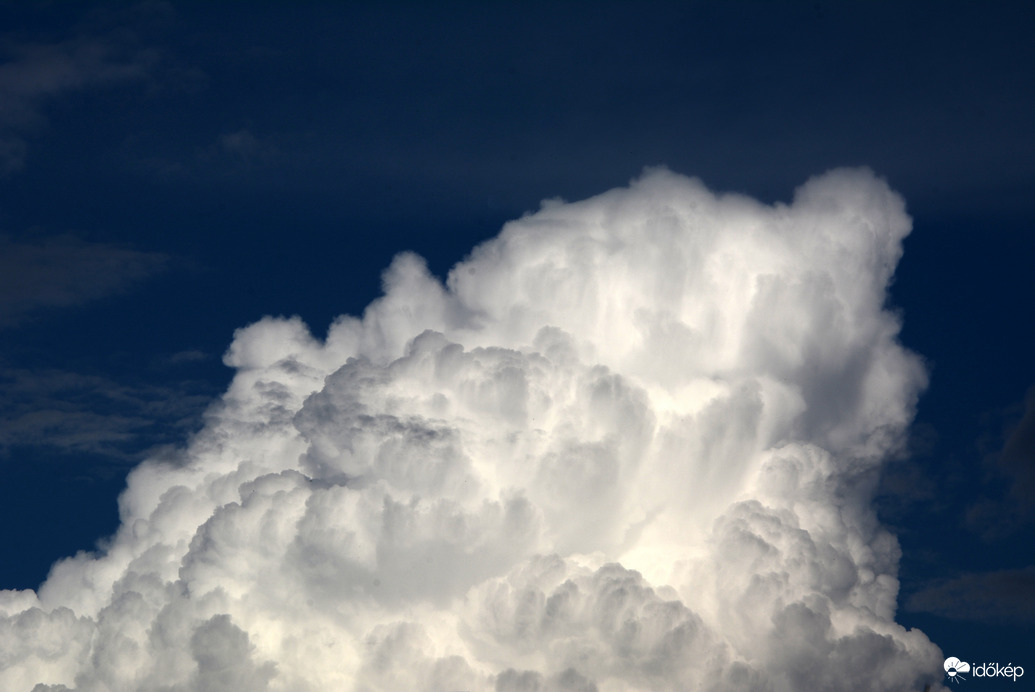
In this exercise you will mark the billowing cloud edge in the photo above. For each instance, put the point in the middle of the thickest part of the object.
(631, 443)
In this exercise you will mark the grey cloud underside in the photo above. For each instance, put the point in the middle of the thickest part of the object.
(631, 444)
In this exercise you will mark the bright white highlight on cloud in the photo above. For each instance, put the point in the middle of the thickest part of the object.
(630, 445)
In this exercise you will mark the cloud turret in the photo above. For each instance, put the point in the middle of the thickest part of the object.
(631, 443)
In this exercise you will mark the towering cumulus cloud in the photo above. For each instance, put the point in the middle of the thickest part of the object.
(631, 444)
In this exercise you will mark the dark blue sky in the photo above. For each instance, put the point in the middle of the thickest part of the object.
(170, 172)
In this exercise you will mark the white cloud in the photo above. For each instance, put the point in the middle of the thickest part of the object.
(630, 445)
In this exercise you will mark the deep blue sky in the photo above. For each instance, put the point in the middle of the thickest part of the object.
(172, 171)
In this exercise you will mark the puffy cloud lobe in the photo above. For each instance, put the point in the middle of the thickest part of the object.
(631, 444)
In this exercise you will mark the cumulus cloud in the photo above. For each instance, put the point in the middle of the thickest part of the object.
(631, 443)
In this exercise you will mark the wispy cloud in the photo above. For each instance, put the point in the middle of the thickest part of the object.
(63, 271)
(1007, 498)
(1004, 596)
(73, 412)
(240, 143)
(35, 73)
(233, 153)
(1017, 459)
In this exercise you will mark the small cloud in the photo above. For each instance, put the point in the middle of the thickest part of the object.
(240, 147)
(63, 271)
(189, 356)
(241, 143)
(230, 154)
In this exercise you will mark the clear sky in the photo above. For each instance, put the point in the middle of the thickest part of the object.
(172, 172)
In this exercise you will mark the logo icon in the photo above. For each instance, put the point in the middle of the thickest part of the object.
(953, 667)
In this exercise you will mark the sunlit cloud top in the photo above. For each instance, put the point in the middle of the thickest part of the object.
(631, 443)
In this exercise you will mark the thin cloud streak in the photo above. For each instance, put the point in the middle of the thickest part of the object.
(63, 271)
(1003, 596)
(74, 413)
(37, 72)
